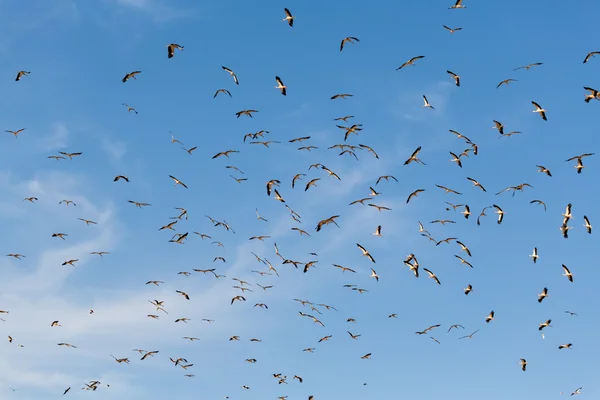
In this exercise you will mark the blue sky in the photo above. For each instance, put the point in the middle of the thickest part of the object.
(78, 52)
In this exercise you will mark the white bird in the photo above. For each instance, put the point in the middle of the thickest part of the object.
(233, 75)
(374, 275)
(567, 273)
(427, 103)
(534, 256)
(377, 231)
(540, 110)
(366, 253)
(280, 85)
(587, 224)
(288, 17)
(177, 181)
(458, 4)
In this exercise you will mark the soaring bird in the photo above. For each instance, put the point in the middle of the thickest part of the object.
(280, 85)
(21, 74)
(506, 82)
(527, 67)
(288, 17)
(590, 55)
(366, 253)
(233, 75)
(130, 75)
(177, 181)
(456, 5)
(451, 30)
(594, 94)
(455, 77)
(171, 49)
(426, 105)
(349, 39)
(410, 62)
(540, 110)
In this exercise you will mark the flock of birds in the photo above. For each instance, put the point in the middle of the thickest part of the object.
(274, 188)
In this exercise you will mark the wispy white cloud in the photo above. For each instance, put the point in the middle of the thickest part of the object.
(115, 149)
(57, 139)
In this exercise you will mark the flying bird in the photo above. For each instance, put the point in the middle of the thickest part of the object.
(590, 55)
(451, 30)
(233, 75)
(171, 49)
(281, 86)
(527, 67)
(456, 5)
(410, 62)
(366, 253)
(455, 77)
(288, 17)
(349, 39)
(540, 110)
(21, 74)
(426, 105)
(130, 75)
(177, 181)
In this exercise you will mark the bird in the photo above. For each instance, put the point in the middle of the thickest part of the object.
(476, 184)
(540, 202)
(587, 225)
(500, 213)
(130, 75)
(177, 181)
(233, 75)
(543, 295)
(579, 158)
(426, 105)
(432, 276)
(593, 95)
(15, 133)
(457, 5)
(119, 177)
(288, 17)
(377, 231)
(527, 67)
(366, 253)
(21, 74)
(129, 108)
(171, 49)
(490, 317)
(341, 96)
(468, 289)
(452, 30)
(540, 110)
(414, 157)
(523, 364)
(410, 62)
(349, 39)
(225, 91)
(469, 336)
(414, 194)
(567, 273)
(534, 256)
(455, 77)
(545, 324)
(281, 86)
(455, 159)
(590, 55)
(506, 82)
(498, 125)
(544, 170)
